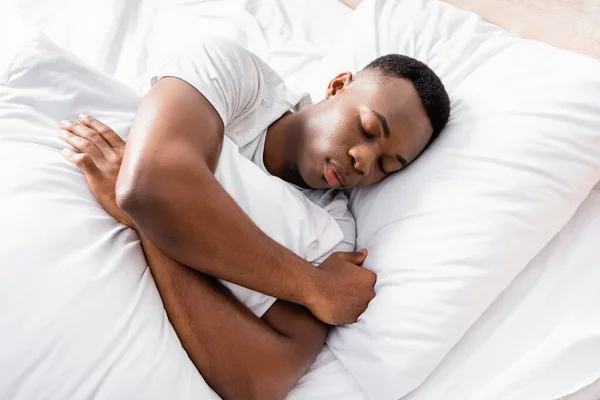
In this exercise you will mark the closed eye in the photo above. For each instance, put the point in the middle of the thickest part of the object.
(366, 134)
(380, 164)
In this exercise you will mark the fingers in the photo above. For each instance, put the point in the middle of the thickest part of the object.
(83, 161)
(79, 143)
(107, 134)
(88, 134)
(355, 257)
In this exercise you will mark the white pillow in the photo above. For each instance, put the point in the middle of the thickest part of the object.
(80, 315)
(280, 210)
(541, 338)
(448, 235)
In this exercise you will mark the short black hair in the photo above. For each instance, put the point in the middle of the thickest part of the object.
(429, 86)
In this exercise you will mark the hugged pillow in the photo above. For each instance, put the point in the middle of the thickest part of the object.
(78, 303)
(447, 236)
(280, 210)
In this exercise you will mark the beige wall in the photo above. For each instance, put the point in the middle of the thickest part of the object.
(570, 24)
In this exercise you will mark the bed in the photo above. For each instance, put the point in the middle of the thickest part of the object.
(537, 339)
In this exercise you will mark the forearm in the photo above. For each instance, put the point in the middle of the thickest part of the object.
(167, 186)
(199, 229)
(239, 355)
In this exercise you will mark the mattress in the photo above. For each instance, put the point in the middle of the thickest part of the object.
(521, 348)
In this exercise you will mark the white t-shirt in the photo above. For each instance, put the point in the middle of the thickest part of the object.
(249, 96)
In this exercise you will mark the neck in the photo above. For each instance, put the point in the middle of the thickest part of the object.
(282, 144)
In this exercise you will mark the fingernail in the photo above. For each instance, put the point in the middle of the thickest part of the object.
(65, 152)
(62, 132)
(64, 122)
(83, 116)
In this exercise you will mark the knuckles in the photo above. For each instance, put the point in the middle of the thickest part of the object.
(84, 159)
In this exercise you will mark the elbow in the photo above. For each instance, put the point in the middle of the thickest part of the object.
(251, 386)
(267, 383)
(147, 203)
(267, 390)
(275, 383)
(127, 196)
(133, 198)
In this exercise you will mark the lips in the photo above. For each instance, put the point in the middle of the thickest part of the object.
(334, 175)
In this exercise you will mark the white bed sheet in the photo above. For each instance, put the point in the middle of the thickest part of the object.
(126, 39)
(519, 349)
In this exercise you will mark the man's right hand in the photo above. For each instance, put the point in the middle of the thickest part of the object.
(343, 289)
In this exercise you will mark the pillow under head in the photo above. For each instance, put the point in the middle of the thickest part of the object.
(447, 235)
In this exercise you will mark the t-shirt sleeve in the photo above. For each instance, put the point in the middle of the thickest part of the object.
(226, 74)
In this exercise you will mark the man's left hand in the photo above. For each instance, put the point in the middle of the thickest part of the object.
(99, 155)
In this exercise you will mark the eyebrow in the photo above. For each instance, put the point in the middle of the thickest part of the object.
(386, 134)
(383, 122)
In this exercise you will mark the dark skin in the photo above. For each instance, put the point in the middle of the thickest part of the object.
(347, 130)
(369, 127)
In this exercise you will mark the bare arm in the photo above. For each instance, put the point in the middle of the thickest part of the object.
(239, 355)
(166, 185)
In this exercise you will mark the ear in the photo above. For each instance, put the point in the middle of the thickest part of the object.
(338, 83)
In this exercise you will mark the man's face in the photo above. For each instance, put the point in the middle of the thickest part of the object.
(367, 128)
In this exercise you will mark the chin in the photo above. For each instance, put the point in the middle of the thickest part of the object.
(315, 183)
(312, 185)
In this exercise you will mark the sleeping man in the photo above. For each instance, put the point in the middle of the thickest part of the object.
(370, 125)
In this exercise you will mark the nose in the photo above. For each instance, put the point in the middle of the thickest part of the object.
(363, 157)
